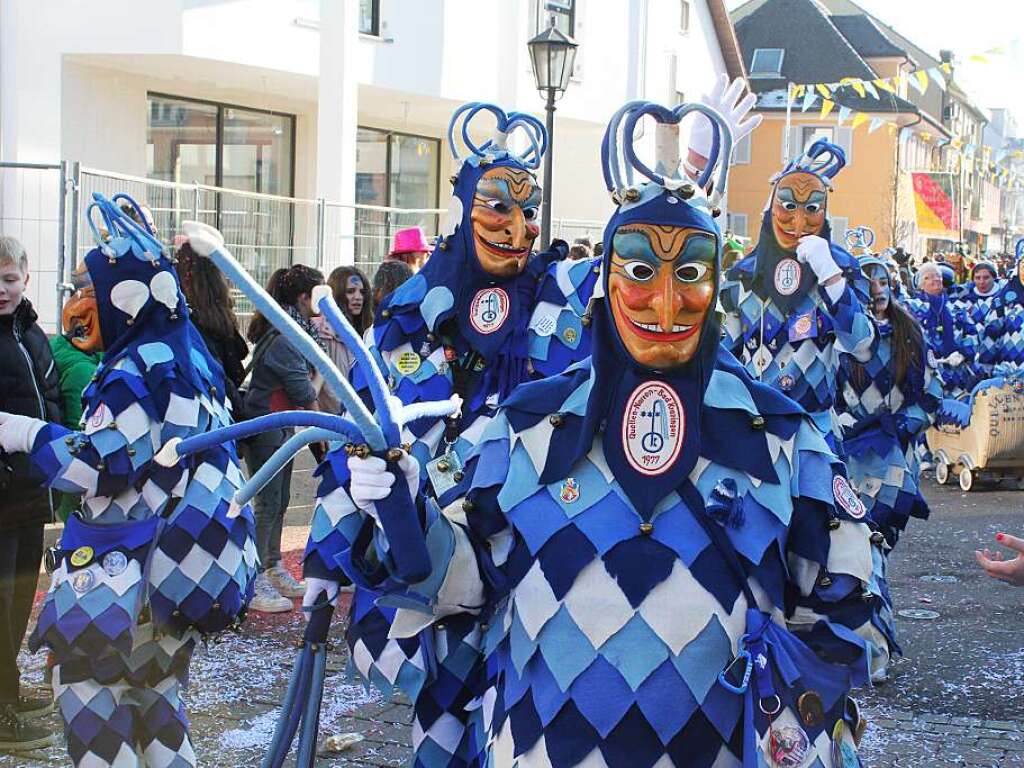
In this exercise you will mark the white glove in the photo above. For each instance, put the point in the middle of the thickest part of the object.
(18, 433)
(203, 238)
(815, 252)
(372, 482)
(315, 586)
(725, 99)
(954, 358)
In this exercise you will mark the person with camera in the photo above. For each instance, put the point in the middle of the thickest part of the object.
(30, 387)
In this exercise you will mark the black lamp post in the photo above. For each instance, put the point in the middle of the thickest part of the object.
(552, 54)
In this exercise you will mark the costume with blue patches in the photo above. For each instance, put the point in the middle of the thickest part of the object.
(559, 327)
(1000, 324)
(883, 420)
(954, 339)
(621, 605)
(452, 328)
(153, 560)
(793, 337)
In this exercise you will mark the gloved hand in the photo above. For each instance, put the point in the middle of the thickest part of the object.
(371, 480)
(315, 586)
(18, 433)
(954, 359)
(725, 99)
(816, 253)
(203, 238)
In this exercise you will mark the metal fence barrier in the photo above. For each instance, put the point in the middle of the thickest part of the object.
(45, 206)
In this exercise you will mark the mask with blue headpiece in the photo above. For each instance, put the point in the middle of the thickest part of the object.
(474, 277)
(142, 311)
(656, 334)
(797, 208)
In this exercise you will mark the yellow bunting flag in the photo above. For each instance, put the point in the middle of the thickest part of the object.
(925, 136)
(856, 83)
(824, 90)
(947, 68)
(884, 85)
(978, 58)
(858, 119)
(826, 107)
(921, 76)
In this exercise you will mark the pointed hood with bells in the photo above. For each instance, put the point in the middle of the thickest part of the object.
(631, 402)
(142, 311)
(453, 282)
(824, 160)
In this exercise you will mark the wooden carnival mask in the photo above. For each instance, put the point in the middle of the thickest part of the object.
(798, 208)
(506, 207)
(80, 317)
(661, 287)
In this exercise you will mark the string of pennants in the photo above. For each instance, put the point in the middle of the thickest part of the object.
(988, 161)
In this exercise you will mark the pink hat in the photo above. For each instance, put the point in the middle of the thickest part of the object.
(409, 240)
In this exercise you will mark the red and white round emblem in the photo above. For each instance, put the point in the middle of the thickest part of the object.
(489, 310)
(847, 498)
(653, 428)
(787, 276)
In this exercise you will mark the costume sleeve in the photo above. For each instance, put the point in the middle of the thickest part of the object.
(73, 381)
(291, 369)
(918, 414)
(854, 330)
(114, 449)
(829, 558)
(732, 326)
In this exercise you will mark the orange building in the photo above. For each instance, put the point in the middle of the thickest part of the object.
(800, 41)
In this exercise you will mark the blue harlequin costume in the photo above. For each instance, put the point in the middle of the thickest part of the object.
(433, 338)
(949, 330)
(634, 618)
(153, 560)
(882, 422)
(999, 326)
(793, 340)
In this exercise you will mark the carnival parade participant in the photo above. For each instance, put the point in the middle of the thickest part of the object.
(887, 403)
(1001, 330)
(153, 560)
(951, 342)
(791, 307)
(618, 516)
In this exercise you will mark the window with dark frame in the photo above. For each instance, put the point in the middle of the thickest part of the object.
(767, 62)
(562, 11)
(369, 17)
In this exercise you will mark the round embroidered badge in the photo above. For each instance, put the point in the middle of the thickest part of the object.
(489, 310)
(653, 427)
(787, 276)
(847, 498)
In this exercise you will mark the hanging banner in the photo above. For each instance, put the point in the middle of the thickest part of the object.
(935, 205)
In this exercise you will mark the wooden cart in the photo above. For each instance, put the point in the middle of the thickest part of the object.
(990, 446)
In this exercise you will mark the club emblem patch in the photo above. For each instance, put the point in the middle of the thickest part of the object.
(570, 490)
(114, 563)
(847, 498)
(802, 324)
(787, 276)
(82, 581)
(653, 428)
(488, 310)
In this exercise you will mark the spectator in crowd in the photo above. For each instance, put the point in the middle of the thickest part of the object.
(281, 380)
(390, 275)
(75, 368)
(598, 250)
(578, 253)
(997, 566)
(30, 387)
(585, 243)
(213, 313)
(351, 292)
(409, 247)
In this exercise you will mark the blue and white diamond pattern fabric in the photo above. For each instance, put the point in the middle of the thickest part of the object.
(883, 421)
(797, 352)
(202, 562)
(604, 633)
(948, 331)
(559, 329)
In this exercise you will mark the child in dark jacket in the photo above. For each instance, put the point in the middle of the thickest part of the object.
(29, 386)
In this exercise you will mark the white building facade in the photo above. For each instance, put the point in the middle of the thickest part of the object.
(342, 100)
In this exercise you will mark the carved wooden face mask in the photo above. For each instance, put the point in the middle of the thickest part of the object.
(506, 207)
(80, 317)
(661, 286)
(798, 208)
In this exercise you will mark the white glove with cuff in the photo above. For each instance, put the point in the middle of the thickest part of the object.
(372, 482)
(18, 433)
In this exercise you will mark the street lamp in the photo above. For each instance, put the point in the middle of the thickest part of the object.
(552, 54)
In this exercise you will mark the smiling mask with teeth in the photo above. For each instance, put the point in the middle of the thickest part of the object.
(80, 316)
(506, 206)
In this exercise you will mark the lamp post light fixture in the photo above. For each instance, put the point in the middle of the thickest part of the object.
(552, 54)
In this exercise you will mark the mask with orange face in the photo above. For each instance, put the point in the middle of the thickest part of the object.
(80, 316)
